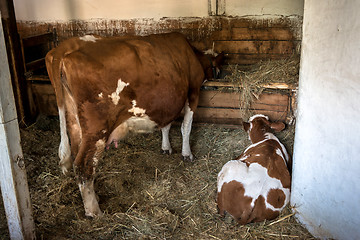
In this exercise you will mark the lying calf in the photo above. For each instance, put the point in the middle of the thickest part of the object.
(256, 186)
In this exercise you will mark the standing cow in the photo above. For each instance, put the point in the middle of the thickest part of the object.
(107, 86)
(256, 186)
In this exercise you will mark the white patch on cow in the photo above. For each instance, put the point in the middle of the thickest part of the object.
(270, 136)
(138, 112)
(165, 144)
(103, 131)
(77, 128)
(210, 52)
(88, 38)
(279, 152)
(244, 157)
(64, 147)
(273, 137)
(249, 130)
(254, 145)
(257, 155)
(134, 124)
(254, 179)
(185, 130)
(252, 119)
(115, 96)
(99, 145)
(258, 115)
(141, 124)
(88, 195)
(100, 95)
(78, 125)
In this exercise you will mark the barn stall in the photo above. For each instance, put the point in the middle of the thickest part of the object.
(171, 199)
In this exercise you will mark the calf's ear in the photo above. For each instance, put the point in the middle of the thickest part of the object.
(277, 126)
(246, 126)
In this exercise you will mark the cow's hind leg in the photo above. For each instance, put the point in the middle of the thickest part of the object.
(165, 145)
(185, 131)
(88, 195)
(85, 164)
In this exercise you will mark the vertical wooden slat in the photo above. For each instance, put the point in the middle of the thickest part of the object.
(13, 181)
(13, 48)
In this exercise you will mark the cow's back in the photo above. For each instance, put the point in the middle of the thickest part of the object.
(158, 71)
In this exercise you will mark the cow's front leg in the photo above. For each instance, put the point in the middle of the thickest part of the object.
(165, 145)
(85, 164)
(185, 130)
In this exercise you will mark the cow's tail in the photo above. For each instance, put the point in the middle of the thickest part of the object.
(54, 66)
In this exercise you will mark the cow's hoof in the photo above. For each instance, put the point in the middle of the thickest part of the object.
(166, 152)
(93, 211)
(94, 214)
(188, 158)
(65, 167)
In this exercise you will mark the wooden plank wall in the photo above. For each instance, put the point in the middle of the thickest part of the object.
(215, 106)
(219, 106)
(245, 41)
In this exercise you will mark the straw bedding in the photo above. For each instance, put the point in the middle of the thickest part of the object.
(144, 194)
(148, 195)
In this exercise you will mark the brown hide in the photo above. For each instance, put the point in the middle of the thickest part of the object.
(265, 151)
(161, 71)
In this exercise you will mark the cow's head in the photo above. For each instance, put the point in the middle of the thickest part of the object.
(212, 66)
(210, 62)
(259, 125)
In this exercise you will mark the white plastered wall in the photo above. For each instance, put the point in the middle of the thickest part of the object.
(65, 10)
(326, 172)
(266, 8)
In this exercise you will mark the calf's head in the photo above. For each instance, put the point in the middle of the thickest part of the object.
(259, 125)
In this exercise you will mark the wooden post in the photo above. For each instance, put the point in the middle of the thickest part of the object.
(13, 181)
(13, 49)
(216, 7)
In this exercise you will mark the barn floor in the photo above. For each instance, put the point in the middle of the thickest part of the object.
(144, 194)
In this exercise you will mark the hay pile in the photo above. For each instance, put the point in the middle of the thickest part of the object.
(144, 194)
(250, 83)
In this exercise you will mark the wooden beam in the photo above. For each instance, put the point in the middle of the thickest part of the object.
(255, 47)
(261, 34)
(36, 64)
(38, 39)
(16, 62)
(13, 181)
(232, 85)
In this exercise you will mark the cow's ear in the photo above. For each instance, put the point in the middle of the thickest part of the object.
(219, 59)
(277, 126)
(246, 126)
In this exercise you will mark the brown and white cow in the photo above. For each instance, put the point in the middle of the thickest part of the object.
(256, 186)
(106, 87)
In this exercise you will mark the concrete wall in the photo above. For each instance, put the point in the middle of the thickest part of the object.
(326, 172)
(65, 10)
